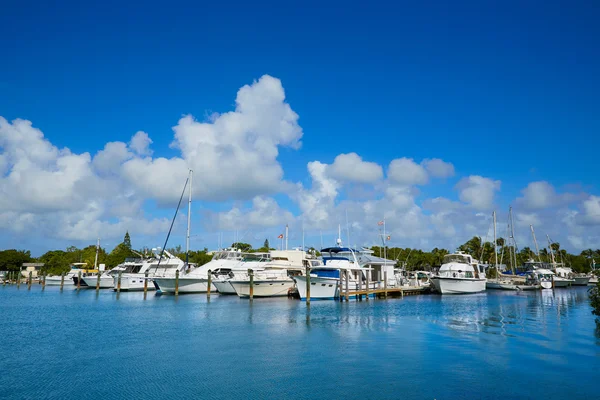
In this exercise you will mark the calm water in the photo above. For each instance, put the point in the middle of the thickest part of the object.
(497, 345)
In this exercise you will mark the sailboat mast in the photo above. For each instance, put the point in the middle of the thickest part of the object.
(551, 250)
(348, 229)
(189, 221)
(495, 243)
(537, 249)
(286, 236)
(513, 260)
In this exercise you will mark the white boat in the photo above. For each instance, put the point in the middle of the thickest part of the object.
(275, 277)
(195, 279)
(69, 278)
(325, 276)
(459, 274)
(107, 279)
(501, 284)
(162, 265)
(563, 277)
(222, 275)
(581, 279)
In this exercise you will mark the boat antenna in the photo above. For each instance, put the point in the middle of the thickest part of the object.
(551, 251)
(512, 236)
(537, 249)
(172, 222)
(348, 229)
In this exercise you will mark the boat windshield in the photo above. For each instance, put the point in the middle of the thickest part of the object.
(456, 258)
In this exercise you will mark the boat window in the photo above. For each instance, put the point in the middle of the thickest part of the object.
(468, 274)
(457, 258)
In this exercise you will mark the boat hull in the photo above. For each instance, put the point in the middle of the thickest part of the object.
(446, 285)
(581, 280)
(55, 281)
(106, 282)
(562, 283)
(132, 283)
(224, 287)
(499, 285)
(321, 288)
(546, 285)
(186, 285)
(264, 288)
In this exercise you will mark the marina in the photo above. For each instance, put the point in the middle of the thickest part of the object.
(270, 347)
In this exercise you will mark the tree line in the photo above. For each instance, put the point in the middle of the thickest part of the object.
(58, 261)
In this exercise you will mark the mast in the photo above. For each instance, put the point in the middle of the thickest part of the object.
(551, 251)
(513, 259)
(97, 250)
(384, 244)
(348, 229)
(339, 239)
(537, 249)
(495, 244)
(189, 222)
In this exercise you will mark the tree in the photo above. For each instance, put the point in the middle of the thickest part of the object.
(245, 247)
(118, 255)
(266, 244)
(472, 247)
(200, 257)
(12, 260)
(127, 240)
(594, 293)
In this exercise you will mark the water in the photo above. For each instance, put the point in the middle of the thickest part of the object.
(495, 345)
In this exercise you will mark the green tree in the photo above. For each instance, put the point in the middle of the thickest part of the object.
(266, 244)
(200, 257)
(594, 293)
(246, 247)
(127, 240)
(118, 255)
(12, 260)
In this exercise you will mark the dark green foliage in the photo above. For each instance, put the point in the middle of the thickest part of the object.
(242, 246)
(118, 255)
(12, 260)
(127, 240)
(200, 257)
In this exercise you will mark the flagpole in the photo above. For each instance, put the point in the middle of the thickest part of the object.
(384, 245)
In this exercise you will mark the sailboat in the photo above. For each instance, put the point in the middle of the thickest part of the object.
(563, 276)
(499, 282)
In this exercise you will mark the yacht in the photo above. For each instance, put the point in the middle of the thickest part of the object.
(336, 262)
(107, 278)
(459, 274)
(222, 275)
(581, 279)
(275, 278)
(69, 278)
(195, 279)
(162, 264)
(563, 276)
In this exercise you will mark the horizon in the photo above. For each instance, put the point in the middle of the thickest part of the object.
(427, 117)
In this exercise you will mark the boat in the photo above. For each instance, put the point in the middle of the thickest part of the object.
(500, 282)
(69, 278)
(459, 274)
(581, 279)
(325, 275)
(162, 264)
(222, 275)
(275, 277)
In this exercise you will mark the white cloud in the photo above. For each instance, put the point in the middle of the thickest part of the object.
(438, 168)
(351, 168)
(478, 191)
(140, 143)
(537, 195)
(404, 171)
(591, 211)
(263, 213)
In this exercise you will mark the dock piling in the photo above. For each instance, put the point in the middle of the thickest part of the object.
(209, 283)
(177, 283)
(29, 279)
(251, 275)
(98, 281)
(340, 291)
(19, 279)
(367, 282)
(145, 283)
(62, 280)
(43, 281)
(385, 284)
(119, 281)
(347, 284)
(359, 296)
(307, 285)
(79, 280)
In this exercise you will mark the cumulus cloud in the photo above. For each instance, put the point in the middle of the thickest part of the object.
(140, 143)
(478, 191)
(404, 171)
(591, 211)
(264, 212)
(351, 168)
(438, 168)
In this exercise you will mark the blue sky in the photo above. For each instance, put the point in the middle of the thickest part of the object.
(506, 91)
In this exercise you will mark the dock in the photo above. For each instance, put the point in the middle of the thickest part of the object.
(392, 292)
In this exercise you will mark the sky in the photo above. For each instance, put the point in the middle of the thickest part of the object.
(311, 114)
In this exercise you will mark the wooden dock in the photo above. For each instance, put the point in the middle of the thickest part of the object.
(399, 291)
